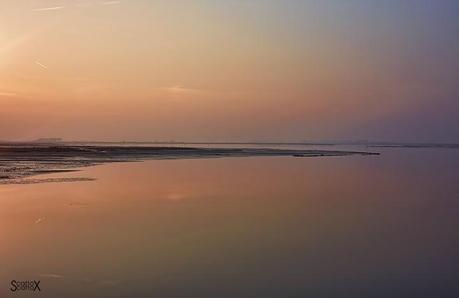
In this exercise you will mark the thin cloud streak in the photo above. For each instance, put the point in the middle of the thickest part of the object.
(40, 220)
(8, 94)
(49, 8)
(51, 275)
(110, 2)
(179, 89)
(41, 65)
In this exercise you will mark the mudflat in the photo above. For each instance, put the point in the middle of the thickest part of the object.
(19, 161)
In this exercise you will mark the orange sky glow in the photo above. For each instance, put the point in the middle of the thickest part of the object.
(228, 70)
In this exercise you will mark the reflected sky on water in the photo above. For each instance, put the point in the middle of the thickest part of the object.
(360, 226)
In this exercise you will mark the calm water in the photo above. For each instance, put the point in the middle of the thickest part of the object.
(375, 226)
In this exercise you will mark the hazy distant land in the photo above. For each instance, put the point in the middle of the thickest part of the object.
(20, 161)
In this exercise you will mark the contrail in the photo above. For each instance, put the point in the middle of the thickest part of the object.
(41, 65)
(48, 8)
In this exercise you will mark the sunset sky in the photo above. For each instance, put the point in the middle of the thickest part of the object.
(214, 70)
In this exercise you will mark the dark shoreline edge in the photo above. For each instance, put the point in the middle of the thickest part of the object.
(18, 162)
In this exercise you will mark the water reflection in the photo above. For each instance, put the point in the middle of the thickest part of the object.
(249, 227)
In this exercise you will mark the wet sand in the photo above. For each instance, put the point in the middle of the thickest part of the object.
(19, 161)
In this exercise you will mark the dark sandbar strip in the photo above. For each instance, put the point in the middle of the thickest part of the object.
(20, 161)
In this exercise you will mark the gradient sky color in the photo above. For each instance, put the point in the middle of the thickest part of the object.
(229, 70)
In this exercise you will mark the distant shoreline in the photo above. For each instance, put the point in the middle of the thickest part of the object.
(368, 144)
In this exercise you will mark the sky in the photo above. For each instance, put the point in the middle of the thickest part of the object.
(215, 70)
